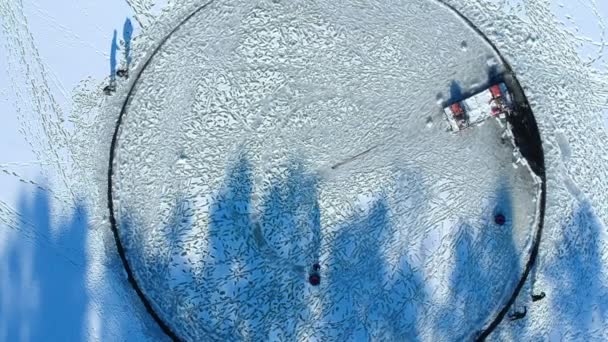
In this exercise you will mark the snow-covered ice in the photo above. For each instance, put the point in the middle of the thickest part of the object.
(323, 140)
(306, 124)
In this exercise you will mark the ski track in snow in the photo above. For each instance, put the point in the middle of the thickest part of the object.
(568, 95)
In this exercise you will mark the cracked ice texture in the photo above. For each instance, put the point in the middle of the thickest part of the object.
(226, 194)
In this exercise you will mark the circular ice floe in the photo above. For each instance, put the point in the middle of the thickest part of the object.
(265, 137)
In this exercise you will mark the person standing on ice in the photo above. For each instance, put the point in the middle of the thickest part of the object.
(112, 86)
(536, 298)
(314, 277)
(127, 34)
(518, 314)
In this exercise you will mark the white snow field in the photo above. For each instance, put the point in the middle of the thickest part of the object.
(406, 252)
(265, 136)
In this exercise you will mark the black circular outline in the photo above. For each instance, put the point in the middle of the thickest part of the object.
(531, 130)
(131, 278)
(537, 163)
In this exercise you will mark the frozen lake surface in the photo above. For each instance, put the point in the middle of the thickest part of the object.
(266, 136)
(399, 215)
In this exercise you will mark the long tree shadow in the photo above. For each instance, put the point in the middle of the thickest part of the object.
(44, 295)
(478, 288)
(249, 263)
(58, 285)
(227, 281)
(290, 218)
(577, 290)
(250, 270)
(242, 275)
(362, 284)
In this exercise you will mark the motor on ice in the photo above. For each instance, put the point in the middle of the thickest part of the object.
(495, 101)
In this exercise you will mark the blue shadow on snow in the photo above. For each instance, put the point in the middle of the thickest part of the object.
(44, 297)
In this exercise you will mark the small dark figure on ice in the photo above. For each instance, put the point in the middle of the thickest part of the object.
(108, 90)
(500, 219)
(538, 297)
(315, 278)
(122, 73)
(518, 314)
